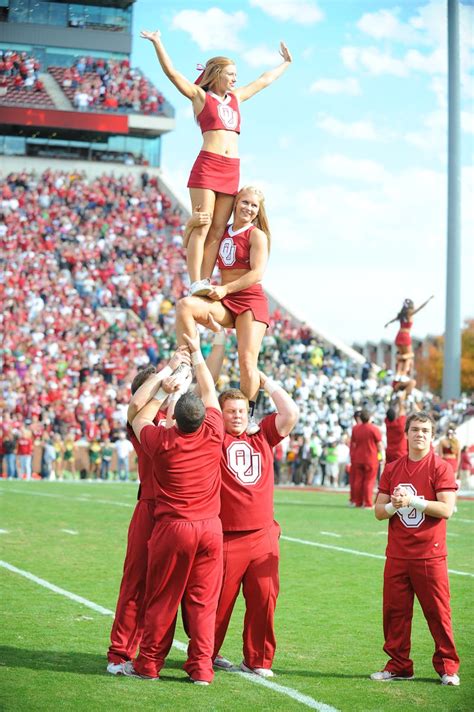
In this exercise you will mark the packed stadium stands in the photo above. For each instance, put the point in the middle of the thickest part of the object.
(77, 250)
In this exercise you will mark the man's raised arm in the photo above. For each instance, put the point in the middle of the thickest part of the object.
(203, 375)
(287, 410)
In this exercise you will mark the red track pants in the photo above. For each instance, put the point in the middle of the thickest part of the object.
(428, 580)
(127, 628)
(184, 562)
(251, 559)
(363, 481)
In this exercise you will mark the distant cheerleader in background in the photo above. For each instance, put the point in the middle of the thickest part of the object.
(215, 176)
(403, 343)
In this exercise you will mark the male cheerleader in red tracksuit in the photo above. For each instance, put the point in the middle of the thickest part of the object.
(251, 535)
(185, 550)
(417, 494)
(127, 628)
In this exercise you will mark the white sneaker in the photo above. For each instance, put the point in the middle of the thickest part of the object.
(200, 288)
(222, 663)
(386, 675)
(252, 427)
(450, 680)
(262, 672)
(115, 668)
(129, 671)
(200, 682)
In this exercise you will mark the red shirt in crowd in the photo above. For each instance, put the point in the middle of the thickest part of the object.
(25, 446)
(413, 534)
(247, 478)
(186, 467)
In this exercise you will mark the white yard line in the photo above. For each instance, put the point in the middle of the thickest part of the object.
(338, 536)
(287, 538)
(275, 687)
(332, 547)
(3, 531)
(70, 531)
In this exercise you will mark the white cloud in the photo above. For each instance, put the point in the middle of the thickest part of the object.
(262, 57)
(359, 170)
(467, 121)
(348, 86)
(362, 130)
(384, 24)
(373, 60)
(303, 12)
(212, 29)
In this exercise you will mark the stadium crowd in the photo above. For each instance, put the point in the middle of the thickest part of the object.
(18, 70)
(95, 83)
(74, 248)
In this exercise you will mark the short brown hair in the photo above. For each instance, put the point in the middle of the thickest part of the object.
(141, 377)
(231, 394)
(422, 415)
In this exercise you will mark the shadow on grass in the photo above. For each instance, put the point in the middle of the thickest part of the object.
(336, 675)
(64, 661)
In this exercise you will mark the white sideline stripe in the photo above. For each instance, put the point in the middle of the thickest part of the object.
(288, 691)
(466, 521)
(355, 552)
(84, 498)
(69, 531)
(3, 531)
(331, 534)
(287, 538)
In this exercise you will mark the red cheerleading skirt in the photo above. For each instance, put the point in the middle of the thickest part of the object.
(215, 172)
(253, 298)
(403, 338)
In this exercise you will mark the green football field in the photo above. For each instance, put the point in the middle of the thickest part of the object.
(62, 548)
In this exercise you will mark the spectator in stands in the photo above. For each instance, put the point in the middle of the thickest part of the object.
(9, 449)
(25, 452)
(215, 176)
(48, 457)
(123, 448)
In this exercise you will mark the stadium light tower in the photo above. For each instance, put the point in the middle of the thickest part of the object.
(452, 334)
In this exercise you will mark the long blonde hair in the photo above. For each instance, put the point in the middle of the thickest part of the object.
(261, 220)
(212, 71)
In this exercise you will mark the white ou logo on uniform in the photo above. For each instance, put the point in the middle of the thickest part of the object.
(228, 116)
(410, 516)
(227, 251)
(244, 462)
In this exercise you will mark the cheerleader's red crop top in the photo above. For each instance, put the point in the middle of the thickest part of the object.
(219, 114)
(234, 249)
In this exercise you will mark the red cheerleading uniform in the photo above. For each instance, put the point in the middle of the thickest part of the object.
(234, 253)
(416, 565)
(396, 440)
(212, 170)
(364, 462)
(403, 338)
(185, 549)
(127, 628)
(251, 552)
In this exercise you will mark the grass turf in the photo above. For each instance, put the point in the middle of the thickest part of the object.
(52, 654)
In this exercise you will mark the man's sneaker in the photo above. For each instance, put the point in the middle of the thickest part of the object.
(222, 663)
(115, 668)
(129, 671)
(200, 682)
(386, 675)
(262, 672)
(450, 679)
(252, 427)
(200, 288)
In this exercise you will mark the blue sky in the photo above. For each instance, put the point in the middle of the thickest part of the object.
(349, 146)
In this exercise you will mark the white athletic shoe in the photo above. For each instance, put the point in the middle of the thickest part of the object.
(222, 663)
(115, 668)
(386, 676)
(200, 682)
(262, 672)
(252, 427)
(200, 288)
(129, 671)
(450, 680)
